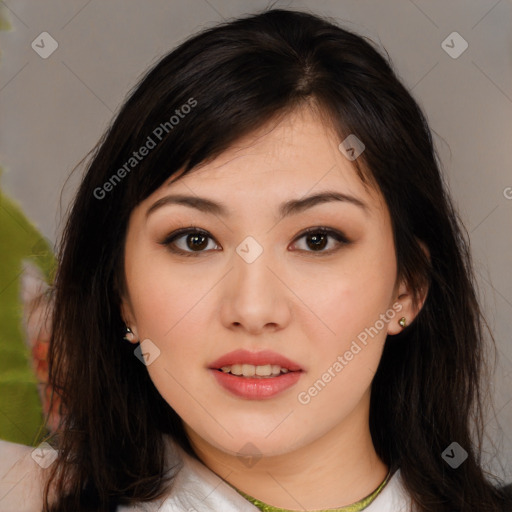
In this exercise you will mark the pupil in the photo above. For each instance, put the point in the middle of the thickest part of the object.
(193, 239)
(319, 241)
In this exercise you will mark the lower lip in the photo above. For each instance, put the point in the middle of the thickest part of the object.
(256, 389)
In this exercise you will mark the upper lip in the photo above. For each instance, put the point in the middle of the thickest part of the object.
(261, 358)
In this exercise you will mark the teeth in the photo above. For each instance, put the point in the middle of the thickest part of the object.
(249, 370)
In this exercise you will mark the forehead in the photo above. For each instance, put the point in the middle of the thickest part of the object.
(287, 158)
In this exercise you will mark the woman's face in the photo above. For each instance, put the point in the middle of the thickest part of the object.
(312, 310)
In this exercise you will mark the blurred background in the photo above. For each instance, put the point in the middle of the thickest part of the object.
(66, 67)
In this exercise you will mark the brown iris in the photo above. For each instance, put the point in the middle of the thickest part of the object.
(318, 240)
(197, 241)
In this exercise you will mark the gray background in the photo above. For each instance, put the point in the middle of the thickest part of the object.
(54, 110)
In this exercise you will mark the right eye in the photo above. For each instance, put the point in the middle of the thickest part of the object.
(188, 241)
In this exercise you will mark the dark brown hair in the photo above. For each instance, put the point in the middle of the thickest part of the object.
(243, 74)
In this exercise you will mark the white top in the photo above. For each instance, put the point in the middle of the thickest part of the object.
(195, 487)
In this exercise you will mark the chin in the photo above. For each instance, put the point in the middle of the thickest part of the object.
(250, 443)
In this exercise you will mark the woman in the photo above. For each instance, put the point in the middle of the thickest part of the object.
(264, 297)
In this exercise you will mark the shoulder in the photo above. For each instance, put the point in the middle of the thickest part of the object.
(395, 498)
(194, 488)
(21, 478)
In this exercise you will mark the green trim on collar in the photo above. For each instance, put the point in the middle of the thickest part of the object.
(355, 507)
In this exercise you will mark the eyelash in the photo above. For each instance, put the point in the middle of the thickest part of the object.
(169, 240)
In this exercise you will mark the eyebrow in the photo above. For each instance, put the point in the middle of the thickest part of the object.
(291, 207)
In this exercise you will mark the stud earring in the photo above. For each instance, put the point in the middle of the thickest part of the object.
(129, 336)
(402, 321)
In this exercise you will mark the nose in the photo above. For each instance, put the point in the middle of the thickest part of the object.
(255, 299)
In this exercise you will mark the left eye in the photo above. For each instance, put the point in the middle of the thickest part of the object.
(317, 239)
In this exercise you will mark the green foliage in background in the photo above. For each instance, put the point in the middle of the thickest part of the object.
(20, 407)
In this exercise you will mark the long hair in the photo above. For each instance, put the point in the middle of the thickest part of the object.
(216, 87)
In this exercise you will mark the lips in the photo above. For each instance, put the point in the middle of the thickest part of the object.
(262, 358)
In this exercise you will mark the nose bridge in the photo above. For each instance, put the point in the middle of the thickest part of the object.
(251, 273)
(254, 296)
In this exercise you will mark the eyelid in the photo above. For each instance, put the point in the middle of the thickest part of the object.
(184, 231)
(335, 233)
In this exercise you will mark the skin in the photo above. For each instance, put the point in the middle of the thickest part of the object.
(304, 304)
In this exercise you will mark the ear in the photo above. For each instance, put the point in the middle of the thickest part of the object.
(406, 305)
(129, 320)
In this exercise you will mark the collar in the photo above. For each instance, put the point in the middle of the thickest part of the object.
(355, 507)
(195, 487)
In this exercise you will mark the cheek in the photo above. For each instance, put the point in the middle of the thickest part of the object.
(353, 300)
(347, 357)
(171, 309)
(163, 294)
(179, 372)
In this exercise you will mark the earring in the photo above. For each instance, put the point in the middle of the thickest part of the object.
(402, 321)
(129, 336)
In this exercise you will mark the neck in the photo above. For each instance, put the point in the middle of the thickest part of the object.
(335, 470)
